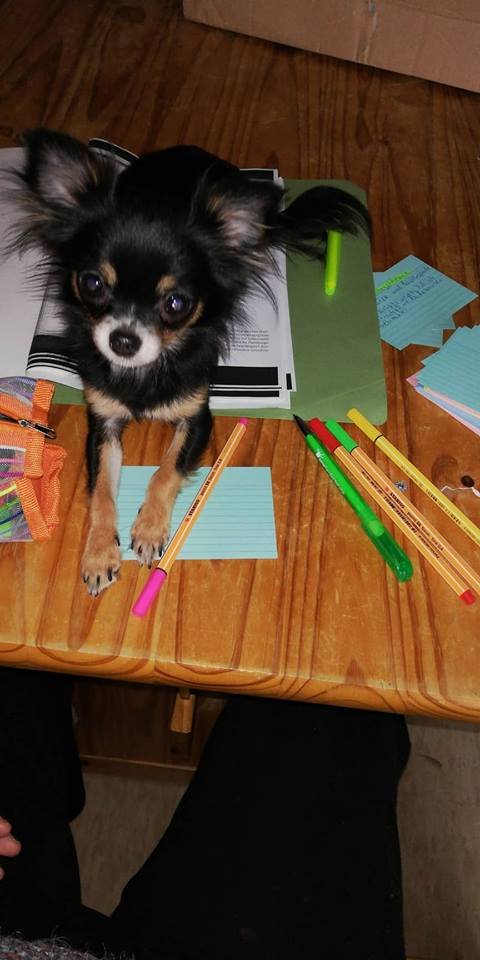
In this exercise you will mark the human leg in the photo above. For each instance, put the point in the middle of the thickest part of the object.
(41, 790)
(284, 846)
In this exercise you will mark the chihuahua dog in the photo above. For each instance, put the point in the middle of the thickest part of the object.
(151, 266)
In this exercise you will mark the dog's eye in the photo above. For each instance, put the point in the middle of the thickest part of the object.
(176, 306)
(92, 285)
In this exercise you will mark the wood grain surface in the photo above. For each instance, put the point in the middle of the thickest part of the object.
(327, 621)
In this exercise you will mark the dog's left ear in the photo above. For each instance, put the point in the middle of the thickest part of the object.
(63, 184)
(243, 211)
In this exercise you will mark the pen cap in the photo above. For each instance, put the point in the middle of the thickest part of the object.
(320, 431)
(392, 553)
(365, 426)
(149, 592)
(341, 435)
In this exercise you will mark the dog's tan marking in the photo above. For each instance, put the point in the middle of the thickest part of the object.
(216, 203)
(179, 410)
(197, 313)
(106, 406)
(75, 285)
(108, 273)
(109, 408)
(166, 283)
(101, 557)
(151, 528)
(172, 337)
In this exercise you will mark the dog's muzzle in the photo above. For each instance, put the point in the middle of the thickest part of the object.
(124, 343)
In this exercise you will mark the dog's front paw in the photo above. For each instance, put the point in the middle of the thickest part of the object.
(150, 533)
(100, 562)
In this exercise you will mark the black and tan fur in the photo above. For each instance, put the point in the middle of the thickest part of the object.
(151, 267)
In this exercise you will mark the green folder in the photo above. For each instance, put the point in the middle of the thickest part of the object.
(336, 340)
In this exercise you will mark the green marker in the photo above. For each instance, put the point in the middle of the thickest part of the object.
(393, 555)
(332, 261)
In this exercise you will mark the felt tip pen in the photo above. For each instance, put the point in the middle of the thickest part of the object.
(393, 555)
(447, 563)
(403, 507)
(159, 575)
(415, 475)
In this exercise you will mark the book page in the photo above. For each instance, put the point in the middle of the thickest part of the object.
(20, 302)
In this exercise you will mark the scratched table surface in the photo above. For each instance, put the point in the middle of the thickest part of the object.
(327, 621)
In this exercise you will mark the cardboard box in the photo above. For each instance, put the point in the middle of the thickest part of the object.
(435, 39)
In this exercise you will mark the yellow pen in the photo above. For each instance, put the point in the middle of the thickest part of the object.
(417, 477)
(332, 261)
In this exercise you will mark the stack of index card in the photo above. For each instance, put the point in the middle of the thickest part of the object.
(450, 377)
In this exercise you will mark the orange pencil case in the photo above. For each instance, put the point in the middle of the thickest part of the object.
(29, 467)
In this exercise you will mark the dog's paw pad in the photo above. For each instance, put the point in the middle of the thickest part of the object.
(100, 566)
(149, 538)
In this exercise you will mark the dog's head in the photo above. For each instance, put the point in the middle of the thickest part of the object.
(151, 258)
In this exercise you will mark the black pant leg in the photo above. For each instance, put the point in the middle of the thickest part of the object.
(285, 845)
(41, 790)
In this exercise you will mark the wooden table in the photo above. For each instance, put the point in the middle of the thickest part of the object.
(327, 621)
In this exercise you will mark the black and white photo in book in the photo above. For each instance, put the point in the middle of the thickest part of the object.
(258, 371)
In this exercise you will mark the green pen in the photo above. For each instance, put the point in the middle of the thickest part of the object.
(393, 555)
(332, 261)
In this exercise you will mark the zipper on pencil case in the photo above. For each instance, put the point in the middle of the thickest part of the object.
(31, 425)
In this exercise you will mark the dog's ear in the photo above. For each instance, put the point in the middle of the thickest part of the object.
(63, 184)
(242, 211)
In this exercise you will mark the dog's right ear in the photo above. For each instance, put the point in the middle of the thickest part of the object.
(63, 185)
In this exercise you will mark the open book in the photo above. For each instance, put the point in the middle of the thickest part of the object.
(258, 372)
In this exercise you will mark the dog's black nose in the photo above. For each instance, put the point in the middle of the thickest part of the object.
(124, 343)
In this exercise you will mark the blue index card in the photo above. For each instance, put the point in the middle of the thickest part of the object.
(236, 523)
(415, 303)
(453, 370)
